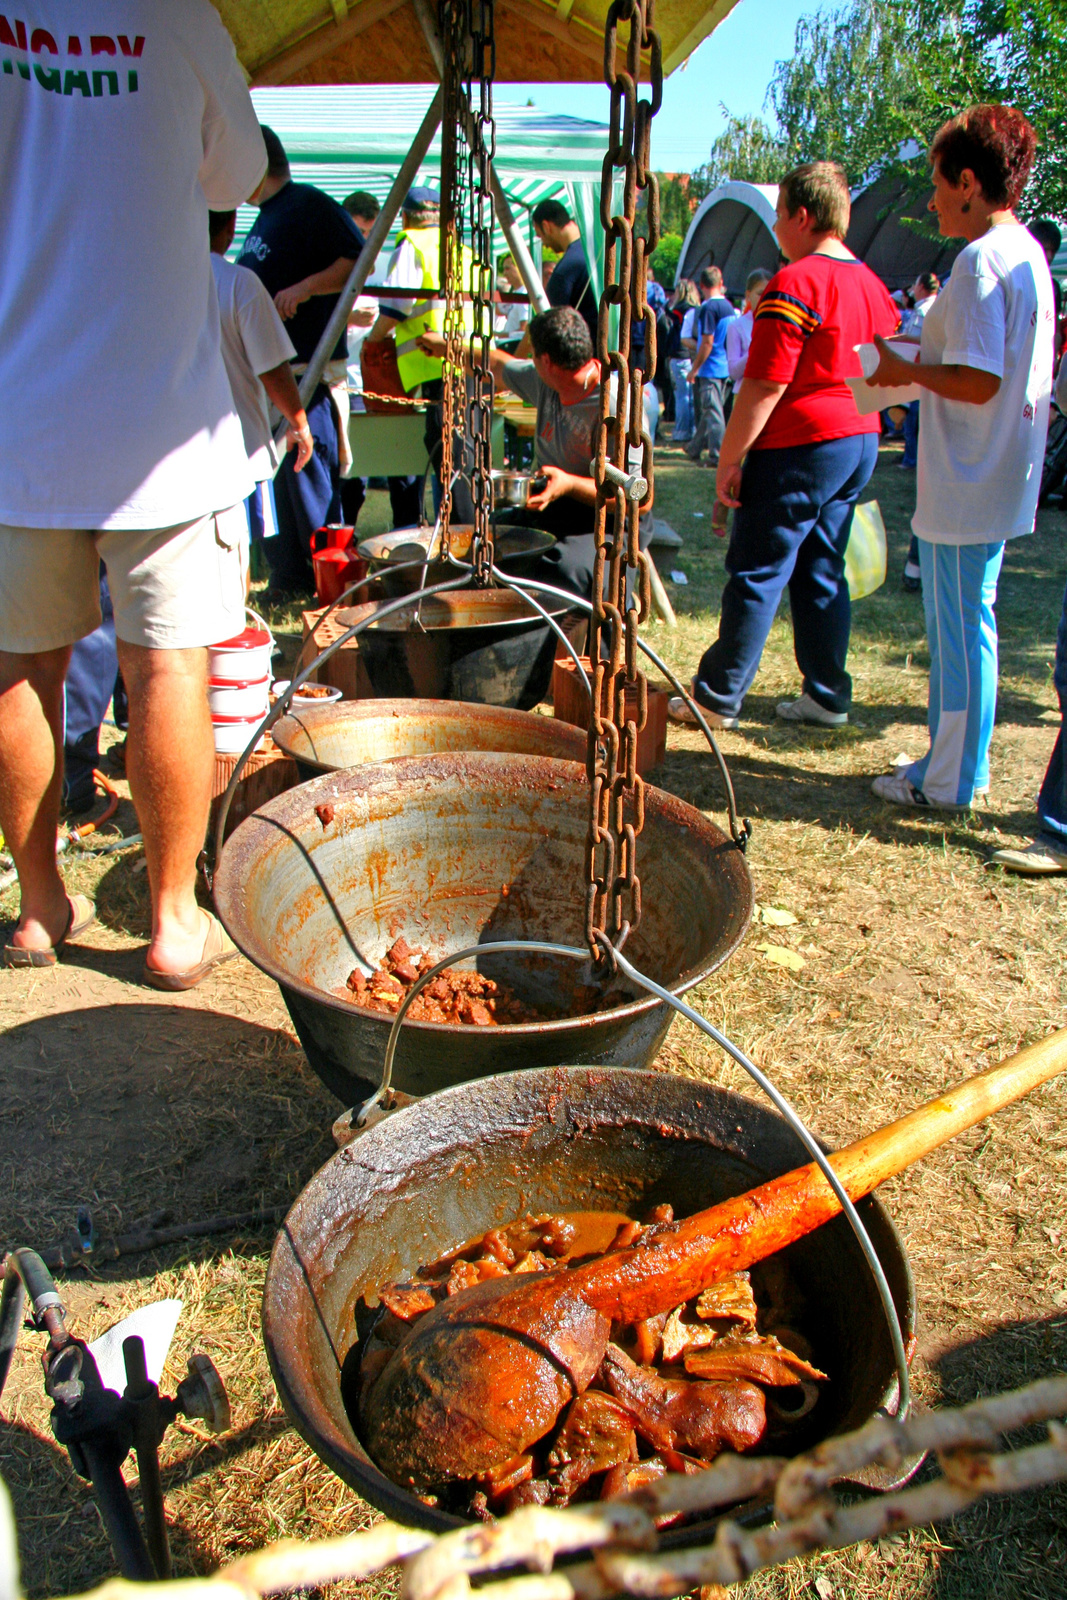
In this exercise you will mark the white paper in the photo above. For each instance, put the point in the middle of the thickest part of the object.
(155, 1323)
(869, 399)
(870, 355)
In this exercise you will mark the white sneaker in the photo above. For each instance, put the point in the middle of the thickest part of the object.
(1041, 858)
(898, 790)
(805, 709)
(679, 710)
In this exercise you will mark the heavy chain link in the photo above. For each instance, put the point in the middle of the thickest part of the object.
(454, 122)
(482, 151)
(619, 702)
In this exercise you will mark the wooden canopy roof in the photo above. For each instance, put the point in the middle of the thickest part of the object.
(380, 41)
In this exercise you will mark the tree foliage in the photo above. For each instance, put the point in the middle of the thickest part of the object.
(870, 82)
(665, 257)
(747, 151)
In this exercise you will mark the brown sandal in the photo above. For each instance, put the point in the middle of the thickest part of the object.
(82, 915)
(218, 947)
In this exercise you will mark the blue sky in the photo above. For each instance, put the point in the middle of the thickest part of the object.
(734, 67)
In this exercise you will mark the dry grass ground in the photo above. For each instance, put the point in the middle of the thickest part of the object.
(920, 966)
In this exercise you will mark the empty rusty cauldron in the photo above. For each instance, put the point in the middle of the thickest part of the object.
(447, 1168)
(348, 733)
(458, 850)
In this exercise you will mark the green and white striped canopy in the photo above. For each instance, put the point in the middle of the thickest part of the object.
(355, 137)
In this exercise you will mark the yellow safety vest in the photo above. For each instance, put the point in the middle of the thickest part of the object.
(415, 365)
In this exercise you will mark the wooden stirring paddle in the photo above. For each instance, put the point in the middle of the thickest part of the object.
(484, 1375)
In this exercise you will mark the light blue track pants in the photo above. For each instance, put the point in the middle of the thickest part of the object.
(959, 593)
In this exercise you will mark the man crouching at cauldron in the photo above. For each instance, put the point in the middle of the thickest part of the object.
(563, 382)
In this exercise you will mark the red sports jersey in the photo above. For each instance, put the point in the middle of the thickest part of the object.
(808, 322)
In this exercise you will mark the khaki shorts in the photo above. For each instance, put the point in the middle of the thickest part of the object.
(171, 588)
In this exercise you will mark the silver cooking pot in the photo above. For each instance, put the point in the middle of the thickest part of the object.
(513, 489)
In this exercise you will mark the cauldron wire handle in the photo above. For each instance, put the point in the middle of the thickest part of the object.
(281, 705)
(777, 1099)
(553, 624)
(740, 831)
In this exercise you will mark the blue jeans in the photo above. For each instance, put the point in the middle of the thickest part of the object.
(684, 419)
(791, 529)
(1052, 801)
(306, 500)
(959, 593)
(910, 457)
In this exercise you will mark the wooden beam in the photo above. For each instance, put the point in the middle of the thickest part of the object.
(322, 41)
(543, 17)
(684, 48)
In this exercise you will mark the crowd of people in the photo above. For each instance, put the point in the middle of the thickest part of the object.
(796, 453)
(135, 531)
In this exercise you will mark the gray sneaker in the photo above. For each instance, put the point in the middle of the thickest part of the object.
(1041, 858)
(805, 709)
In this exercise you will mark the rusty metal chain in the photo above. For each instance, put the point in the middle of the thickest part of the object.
(481, 71)
(454, 121)
(621, 587)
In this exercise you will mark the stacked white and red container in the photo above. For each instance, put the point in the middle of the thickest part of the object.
(239, 685)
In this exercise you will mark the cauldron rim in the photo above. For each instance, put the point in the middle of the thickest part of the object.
(228, 880)
(285, 735)
(308, 1217)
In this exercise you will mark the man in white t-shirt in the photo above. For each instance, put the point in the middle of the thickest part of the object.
(257, 353)
(120, 440)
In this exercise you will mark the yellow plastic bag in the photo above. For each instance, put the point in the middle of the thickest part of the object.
(865, 554)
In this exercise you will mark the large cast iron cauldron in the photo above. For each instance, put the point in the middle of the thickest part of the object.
(457, 850)
(348, 733)
(513, 550)
(486, 645)
(447, 1168)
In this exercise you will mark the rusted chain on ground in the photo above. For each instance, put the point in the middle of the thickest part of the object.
(621, 1534)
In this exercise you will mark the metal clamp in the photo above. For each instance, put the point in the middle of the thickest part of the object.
(633, 486)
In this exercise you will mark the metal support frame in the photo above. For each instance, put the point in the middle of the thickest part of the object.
(504, 215)
(369, 254)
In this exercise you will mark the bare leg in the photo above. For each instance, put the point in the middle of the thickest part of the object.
(31, 783)
(169, 763)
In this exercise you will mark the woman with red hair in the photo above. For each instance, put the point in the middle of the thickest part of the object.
(985, 371)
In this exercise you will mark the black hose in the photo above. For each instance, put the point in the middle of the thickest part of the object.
(25, 1273)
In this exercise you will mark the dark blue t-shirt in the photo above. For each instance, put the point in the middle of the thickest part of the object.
(712, 318)
(569, 286)
(300, 230)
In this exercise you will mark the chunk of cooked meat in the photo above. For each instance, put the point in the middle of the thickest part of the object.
(503, 1480)
(679, 1414)
(597, 1433)
(679, 1336)
(649, 1337)
(757, 1358)
(408, 1300)
(728, 1300)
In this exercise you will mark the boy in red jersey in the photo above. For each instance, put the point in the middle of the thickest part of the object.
(795, 458)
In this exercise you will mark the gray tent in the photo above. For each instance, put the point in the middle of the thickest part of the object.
(732, 228)
(880, 236)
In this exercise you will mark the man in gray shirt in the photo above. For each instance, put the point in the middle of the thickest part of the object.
(563, 382)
